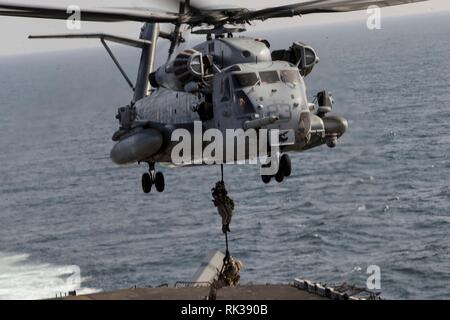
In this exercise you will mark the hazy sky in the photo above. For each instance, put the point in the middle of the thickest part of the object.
(14, 31)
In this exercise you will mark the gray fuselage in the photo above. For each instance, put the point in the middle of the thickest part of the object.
(248, 89)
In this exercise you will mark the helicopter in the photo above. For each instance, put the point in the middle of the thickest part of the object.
(226, 82)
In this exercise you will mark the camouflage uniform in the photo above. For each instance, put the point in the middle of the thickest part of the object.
(229, 276)
(224, 204)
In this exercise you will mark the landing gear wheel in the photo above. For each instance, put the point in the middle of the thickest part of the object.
(146, 183)
(279, 177)
(285, 165)
(266, 179)
(159, 182)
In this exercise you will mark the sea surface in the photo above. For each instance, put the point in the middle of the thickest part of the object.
(382, 197)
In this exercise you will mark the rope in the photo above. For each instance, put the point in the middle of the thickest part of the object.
(229, 275)
(227, 252)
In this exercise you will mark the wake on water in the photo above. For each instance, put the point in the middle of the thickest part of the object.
(21, 279)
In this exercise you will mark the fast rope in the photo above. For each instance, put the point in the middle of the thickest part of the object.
(227, 252)
(229, 274)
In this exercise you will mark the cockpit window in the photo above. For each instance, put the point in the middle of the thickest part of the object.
(244, 80)
(290, 76)
(245, 106)
(268, 77)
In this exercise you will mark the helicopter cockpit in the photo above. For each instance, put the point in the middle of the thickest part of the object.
(249, 92)
(271, 78)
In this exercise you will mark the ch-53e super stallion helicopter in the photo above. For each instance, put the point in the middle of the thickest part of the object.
(226, 82)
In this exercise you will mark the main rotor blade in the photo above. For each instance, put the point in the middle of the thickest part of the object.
(175, 4)
(318, 6)
(99, 15)
(195, 16)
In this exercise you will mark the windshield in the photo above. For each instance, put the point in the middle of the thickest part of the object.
(290, 76)
(244, 80)
(268, 77)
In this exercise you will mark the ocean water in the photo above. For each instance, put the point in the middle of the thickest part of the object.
(382, 197)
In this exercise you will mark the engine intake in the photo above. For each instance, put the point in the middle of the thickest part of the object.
(187, 67)
(299, 54)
